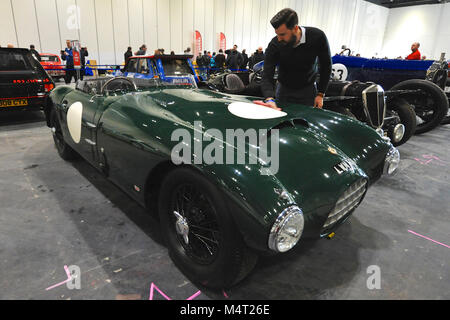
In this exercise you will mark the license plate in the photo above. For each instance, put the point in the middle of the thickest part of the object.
(13, 103)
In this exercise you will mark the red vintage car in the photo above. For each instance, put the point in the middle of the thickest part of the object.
(53, 65)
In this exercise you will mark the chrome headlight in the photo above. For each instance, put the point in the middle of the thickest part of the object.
(399, 132)
(287, 229)
(392, 161)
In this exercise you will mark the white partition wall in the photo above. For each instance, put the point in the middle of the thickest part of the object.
(150, 26)
(108, 27)
(427, 24)
(49, 35)
(106, 49)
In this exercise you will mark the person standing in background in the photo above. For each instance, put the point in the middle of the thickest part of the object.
(415, 55)
(219, 61)
(35, 53)
(83, 54)
(258, 56)
(244, 60)
(127, 55)
(142, 50)
(67, 55)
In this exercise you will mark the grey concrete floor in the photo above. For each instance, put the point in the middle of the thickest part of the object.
(55, 214)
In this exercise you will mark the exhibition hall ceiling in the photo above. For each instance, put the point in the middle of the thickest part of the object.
(405, 3)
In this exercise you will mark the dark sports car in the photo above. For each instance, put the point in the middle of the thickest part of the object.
(146, 136)
(24, 84)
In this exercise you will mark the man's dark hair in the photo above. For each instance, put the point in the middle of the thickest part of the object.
(220, 51)
(129, 48)
(32, 46)
(286, 16)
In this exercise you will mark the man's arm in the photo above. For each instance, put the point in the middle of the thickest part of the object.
(324, 64)
(270, 62)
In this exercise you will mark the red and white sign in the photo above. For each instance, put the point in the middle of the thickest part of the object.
(222, 41)
(197, 43)
(76, 48)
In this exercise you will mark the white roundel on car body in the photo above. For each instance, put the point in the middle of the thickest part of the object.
(74, 116)
(254, 111)
(339, 72)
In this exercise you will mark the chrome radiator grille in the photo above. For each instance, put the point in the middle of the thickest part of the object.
(374, 105)
(347, 202)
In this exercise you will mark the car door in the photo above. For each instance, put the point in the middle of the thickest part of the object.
(79, 109)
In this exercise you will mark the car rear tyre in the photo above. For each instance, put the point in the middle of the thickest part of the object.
(64, 150)
(430, 106)
(201, 236)
(407, 117)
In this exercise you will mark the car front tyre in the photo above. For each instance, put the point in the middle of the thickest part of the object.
(201, 236)
(407, 117)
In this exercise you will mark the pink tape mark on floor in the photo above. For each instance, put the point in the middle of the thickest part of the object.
(153, 287)
(428, 239)
(430, 159)
(69, 278)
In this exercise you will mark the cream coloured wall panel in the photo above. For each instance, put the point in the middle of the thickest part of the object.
(188, 24)
(247, 25)
(26, 23)
(135, 10)
(106, 51)
(176, 26)
(150, 25)
(108, 27)
(69, 16)
(7, 24)
(209, 33)
(230, 15)
(164, 36)
(49, 33)
(88, 27)
(239, 24)
(254, 30)
(121, 32)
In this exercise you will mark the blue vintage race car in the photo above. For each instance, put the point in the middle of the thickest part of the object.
(169, 68)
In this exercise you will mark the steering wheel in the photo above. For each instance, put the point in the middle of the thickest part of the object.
(118, 84)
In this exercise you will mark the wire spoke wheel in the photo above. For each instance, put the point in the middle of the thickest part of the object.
(195, 223)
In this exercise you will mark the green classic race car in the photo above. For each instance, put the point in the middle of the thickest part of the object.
(229, 179)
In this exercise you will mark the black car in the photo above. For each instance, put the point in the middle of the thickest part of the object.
(24, 84)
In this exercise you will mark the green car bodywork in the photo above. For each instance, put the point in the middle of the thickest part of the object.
(127, 136)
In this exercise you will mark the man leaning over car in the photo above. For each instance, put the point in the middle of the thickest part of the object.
(296, 50)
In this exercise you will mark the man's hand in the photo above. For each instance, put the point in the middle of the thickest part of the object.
(318, 102)
(270, 104)
(273, 105)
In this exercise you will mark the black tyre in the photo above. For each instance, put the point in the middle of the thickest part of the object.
(430, 105)
(447, 116)
(200, 234)
(64, 150)
(405, 112)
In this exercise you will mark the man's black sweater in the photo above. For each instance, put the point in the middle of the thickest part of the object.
(298, 66)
